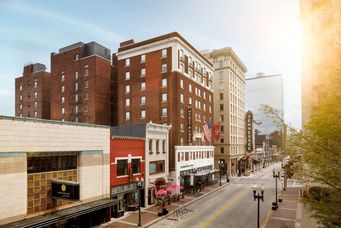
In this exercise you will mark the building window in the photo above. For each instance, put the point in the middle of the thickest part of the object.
(63, 111)
(63, 89)
(157, 167)
(86, 96)
(127, 115)
(35, 94)
(164, 112)
(190, 100)
(221, 96)
(135, 163)
(157, 145)
(20, 106)
(122, 167)
(164, 82)
(20, 97)
(20, 88)
(164, 53)
(190, 88)
(222, 140)
(86, 107)
(142, 100)
(76, 57)
(143, 72)
(210, 98)
(221, 75)
(86, 84)
(127, 102)
(182, 113)
(63, 100)
(127, 88)
(35, 104)
(221, 150)
(127, 75)
(35, 84)
(164, 97)
(63, 76)
(143, 58)
(76, 75)
(221, 118)
(35, 114)
(181, 98)
(76, 97)
(127, 62)
(86, 70)
(164, 68)
(190, 73)
(221, 107)
(181, 84)
(210, 109)
(143, 114)
(76, 86)
(38, 164)
(143, 86)
(76, 108)
(164, 146)
(182, 127)
(150, 146)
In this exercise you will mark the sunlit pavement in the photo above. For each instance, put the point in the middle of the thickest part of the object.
(231, 206)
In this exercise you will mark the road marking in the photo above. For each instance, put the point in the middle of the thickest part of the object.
(227, 205)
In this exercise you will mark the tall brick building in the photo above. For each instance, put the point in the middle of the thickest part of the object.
(167, 81)
(32, 92)
(81, 84)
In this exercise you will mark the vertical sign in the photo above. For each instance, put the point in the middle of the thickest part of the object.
(249, 130)
(189, 125)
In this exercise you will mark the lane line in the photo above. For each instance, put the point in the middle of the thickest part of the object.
(226, 206)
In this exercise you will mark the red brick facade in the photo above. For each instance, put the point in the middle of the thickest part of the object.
(126, 148)
(87, 97)
(32, 93)
(153, 91)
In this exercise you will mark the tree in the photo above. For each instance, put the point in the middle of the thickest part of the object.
(317, 151)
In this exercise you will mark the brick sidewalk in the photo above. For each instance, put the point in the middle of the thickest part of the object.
(289, 213)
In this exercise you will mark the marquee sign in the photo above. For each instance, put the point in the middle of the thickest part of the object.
(249, 131)
(66, 190)
(189, 124)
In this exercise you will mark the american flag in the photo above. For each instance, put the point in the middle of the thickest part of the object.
(208, 131)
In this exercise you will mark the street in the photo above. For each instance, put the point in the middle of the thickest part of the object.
(231, 206)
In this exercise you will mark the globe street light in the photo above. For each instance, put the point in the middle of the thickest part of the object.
(140, 185)
(277, 175)
(258, 193)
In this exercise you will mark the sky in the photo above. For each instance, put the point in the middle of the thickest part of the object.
(265, 34)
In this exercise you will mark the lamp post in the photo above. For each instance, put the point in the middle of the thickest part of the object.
(258, 193)
(140, 185)
(276, 174)
(221, 167)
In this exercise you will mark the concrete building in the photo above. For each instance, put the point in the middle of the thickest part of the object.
(229, 106)
(81, 84)
(155, 159)
(265, 90)
(321, 47)
(53, 173)
(32, 92)
(167, 81)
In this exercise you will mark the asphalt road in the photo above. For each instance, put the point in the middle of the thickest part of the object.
(231, 206)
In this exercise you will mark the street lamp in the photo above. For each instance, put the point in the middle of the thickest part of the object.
(221, 167)
(140, 185)
(258, 193)
(277, 175)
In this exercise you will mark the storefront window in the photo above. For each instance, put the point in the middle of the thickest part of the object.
(157, 167)
(152, 167)
(136, 165)
(122, 167)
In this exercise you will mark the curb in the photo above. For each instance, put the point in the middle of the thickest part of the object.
(187, 204)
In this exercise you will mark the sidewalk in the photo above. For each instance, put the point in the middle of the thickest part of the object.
(290, 212)
(149, 215)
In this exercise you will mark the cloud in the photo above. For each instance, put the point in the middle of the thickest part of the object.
(84, 26)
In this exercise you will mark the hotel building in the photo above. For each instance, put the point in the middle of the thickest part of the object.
(167, 81)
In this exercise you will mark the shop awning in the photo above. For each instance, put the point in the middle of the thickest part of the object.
(55, 217)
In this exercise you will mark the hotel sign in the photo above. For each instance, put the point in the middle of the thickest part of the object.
(66, 190)
(249, 131)
(189, 124)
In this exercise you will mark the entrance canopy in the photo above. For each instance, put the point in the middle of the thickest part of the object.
(55, 217)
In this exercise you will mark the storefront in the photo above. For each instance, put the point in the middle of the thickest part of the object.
(127, 198)
(154, 186)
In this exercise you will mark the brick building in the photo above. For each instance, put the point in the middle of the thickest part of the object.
(32, 92)
(167, 81)
(81, 84)
(127, 157)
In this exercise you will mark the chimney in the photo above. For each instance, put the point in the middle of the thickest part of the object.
(127, 42)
